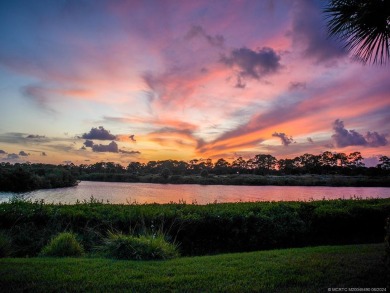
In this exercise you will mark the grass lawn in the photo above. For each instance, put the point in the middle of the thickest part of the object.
(313, 269)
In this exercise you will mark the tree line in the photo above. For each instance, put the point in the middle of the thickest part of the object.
(261, 164)
(26, 176)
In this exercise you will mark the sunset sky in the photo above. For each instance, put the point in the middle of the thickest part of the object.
(86, 80)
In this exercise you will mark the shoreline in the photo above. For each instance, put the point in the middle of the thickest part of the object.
(247, 180)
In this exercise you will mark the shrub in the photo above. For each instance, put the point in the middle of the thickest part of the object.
(204, 173)
(64, 244)
(5, 245)
(165, 173)
(148, 247)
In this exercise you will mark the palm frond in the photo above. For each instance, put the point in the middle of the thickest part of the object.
(364, 27)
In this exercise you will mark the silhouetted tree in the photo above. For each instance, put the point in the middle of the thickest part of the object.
(165, 173)
(204, 173)
(384, 163)
(355, 160)
(221, 166)
(364, 26)
(193, 165)
(342, 160)
(263, 164)
(287, 166)
(239, 165)
(135, 167)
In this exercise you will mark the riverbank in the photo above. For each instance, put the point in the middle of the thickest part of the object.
(246, 179)
(198, 229)
(312, 269)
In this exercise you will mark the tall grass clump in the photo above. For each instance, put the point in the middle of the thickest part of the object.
(145, 247)
(64, 244)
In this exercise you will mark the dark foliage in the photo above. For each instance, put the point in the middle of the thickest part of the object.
(180, 172)
(5, 245)
(27, 177)
(165, 173)
(144, 247)
(363, 26)
(204, 173)
(63, 245)
(208, 229)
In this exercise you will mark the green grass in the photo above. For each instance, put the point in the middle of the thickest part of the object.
(313, 269)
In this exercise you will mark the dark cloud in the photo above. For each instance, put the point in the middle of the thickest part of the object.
(23, 154)
(32, 136)
(12, 157)
(2, 152)
(309, 139)
(297, 86)
(309, 31)
(344, 137)
(99, 133)
(253, 64)
(375, 139)
(130, 152)
(112, 147)
(284, 138)
(88, 143)
(36, 138)
(43, 154)
(199, 31)
(22, 138)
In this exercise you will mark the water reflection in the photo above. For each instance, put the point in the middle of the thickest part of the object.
(201, 194)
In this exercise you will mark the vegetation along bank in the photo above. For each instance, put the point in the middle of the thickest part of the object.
(197, 229)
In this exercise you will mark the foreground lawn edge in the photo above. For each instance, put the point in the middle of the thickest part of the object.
(311, 269)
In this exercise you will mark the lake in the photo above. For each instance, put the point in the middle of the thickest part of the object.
(116, 192)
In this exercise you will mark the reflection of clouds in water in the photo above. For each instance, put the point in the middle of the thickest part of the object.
(200, 194)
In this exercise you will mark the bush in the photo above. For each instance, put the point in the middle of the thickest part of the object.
(200, 229)
(204, 173)
(165, 173)
(121, 246)
(64, 244)
(5, 245)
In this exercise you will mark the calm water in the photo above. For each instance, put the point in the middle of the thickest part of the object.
(201, 194)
